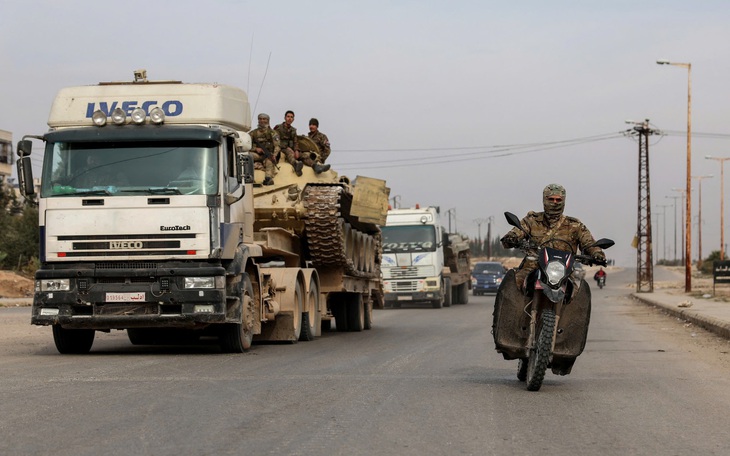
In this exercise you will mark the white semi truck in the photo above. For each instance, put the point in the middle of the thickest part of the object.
(149, 222)
(421, 261)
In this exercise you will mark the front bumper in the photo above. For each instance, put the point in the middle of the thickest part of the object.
(131, 298)
(413, 296)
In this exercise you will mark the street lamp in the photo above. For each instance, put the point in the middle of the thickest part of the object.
(699, 227)
(674, 204)
(683, 193)
(688, 220)
(722, 202)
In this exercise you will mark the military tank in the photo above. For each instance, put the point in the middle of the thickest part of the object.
(337, 221)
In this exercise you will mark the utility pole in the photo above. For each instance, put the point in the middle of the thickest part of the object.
(479, 222)
(722, 161)
(490, 219)
(451, 212)
(664, 227)
(644, 260)
(675, 223)
(683, 192)
(699, 223)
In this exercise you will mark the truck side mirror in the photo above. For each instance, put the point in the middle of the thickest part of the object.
(25, 146)
(245, 168)
(25, 173)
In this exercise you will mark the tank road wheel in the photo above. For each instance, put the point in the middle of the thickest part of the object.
(310, 316)
(369, 254)
(237, 337)
(73, 341)
(355, 313)
(447, 291)
(540, 355)
(349, 241)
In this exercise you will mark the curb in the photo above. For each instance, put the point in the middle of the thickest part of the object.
(712, 324)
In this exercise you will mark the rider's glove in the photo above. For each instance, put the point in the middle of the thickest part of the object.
(599, 257)
(510, 241)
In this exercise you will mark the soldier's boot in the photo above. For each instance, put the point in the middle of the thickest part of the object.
(320, 168)
(268, 181)
(298, 167)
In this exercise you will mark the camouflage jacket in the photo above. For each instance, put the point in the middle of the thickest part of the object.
(571, 230)
(266, 139)
(323, 144)
(287, 136)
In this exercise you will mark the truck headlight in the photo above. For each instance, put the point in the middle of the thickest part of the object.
(55, 284)
(205, 282)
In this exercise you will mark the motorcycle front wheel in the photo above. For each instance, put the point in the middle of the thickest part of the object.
(540, 354)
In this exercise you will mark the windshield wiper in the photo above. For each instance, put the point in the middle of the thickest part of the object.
(98, 191)
(156, 191)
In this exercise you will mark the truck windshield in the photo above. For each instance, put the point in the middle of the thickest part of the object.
(414, 238)
(123, 168)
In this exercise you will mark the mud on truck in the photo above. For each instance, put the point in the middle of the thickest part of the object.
(153, 220)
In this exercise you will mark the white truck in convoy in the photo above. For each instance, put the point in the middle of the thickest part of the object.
(153, 220)
(422, 262)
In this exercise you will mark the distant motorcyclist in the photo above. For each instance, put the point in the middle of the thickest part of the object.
(600, 274)
(548, 225)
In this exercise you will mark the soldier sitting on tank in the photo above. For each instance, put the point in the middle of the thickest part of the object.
(265, 150)
(320, 139)
(290, 146)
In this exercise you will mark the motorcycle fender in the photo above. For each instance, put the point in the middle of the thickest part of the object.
(573, 327)
(510, 323)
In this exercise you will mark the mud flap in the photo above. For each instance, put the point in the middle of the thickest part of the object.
(510, 323)
(572, 330)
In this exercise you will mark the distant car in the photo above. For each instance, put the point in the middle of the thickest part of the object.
(486, 277)
(579, 271)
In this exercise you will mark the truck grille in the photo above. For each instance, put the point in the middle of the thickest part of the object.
(410, 272)
(406, 285)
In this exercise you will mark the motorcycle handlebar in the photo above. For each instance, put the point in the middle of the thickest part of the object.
(590, 261)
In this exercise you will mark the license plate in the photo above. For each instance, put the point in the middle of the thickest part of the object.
(125, 297)
(405, 298)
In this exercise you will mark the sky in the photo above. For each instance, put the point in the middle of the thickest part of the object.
(472, 106)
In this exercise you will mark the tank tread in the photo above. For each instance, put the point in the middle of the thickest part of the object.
(330, 235)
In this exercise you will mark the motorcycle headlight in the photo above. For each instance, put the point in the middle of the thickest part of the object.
(555, 271)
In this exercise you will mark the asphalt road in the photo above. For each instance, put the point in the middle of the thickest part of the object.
(423, 381)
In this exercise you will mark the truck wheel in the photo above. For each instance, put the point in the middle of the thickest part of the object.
(339, 311)
(311, 312)
(369, 314)
(438, 303)
(73, 341)
(447, 292)
(355, 313)
(464, 293)
(237, 337)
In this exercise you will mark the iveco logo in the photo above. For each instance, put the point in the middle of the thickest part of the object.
(175, 228)
(115, 245)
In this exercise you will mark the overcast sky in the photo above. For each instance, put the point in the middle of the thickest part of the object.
(424, 94)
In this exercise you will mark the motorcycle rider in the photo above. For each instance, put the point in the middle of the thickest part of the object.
(600, 274)
(551, 224)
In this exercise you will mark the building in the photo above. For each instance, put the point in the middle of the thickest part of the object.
(6, 155)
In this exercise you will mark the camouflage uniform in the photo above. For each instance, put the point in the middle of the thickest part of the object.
(322, 142)
(267, 139)
(288, 142)
(551, 225)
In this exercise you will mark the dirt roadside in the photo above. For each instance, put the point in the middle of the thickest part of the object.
(13, 285)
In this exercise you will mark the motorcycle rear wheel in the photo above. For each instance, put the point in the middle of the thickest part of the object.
(540, 354)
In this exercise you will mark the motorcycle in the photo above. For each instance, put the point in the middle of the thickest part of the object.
(601, 281)
(545, 326)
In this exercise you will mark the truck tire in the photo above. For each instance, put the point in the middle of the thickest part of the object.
(464, 293)
(311, 312)
(73, 341)
(369, 313)
(355, 313)
(237, 337)
(447, 292)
